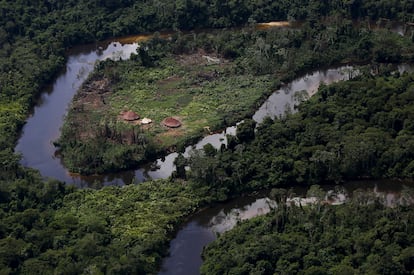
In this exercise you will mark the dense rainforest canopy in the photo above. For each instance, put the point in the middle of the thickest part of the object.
(361, 128)
(47, 226)
(359, 237)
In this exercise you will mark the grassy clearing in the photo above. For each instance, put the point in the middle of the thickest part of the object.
(199, 87)
(201, 95)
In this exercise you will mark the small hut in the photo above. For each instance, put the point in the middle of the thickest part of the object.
(130, 116)
(171, 122)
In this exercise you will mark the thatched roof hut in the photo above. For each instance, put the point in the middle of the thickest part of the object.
(130, 116)
(171, 122)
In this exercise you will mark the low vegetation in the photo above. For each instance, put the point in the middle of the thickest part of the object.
(49, 228)
(199, 94)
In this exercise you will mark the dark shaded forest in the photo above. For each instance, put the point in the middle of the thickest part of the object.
(356, 129)
(47, 226)
(360, 237)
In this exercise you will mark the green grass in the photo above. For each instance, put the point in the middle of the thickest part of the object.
(200, 95)
(174, 89)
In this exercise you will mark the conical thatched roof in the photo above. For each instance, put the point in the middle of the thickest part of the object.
(171, 122)
(130, 116)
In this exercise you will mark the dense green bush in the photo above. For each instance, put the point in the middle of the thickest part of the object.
(51, 228)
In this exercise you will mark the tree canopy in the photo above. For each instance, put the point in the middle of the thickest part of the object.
(47, 226)
(354, 238)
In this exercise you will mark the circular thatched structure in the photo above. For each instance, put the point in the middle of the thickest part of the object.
(130, 116)
(171, 122)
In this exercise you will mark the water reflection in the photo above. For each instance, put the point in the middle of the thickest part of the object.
(284, 99)
(185, 249)
(224, 221)
(42, 128)
(42, 156)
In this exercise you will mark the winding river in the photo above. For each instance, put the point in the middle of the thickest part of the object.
(43, 127)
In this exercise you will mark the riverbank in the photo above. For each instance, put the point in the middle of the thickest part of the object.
(348, 130)
(36, 236)
(230, 172)
(206, 90)
(77, 214)
(360, 236)
(204, 227)
(188, 87)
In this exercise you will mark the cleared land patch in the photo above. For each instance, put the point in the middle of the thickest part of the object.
(202, 91)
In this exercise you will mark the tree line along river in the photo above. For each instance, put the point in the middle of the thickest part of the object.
(42, 128)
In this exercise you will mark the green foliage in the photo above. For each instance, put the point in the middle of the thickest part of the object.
(353, 238)
(35, 35)
(353, 129)
(47, 227)
(203, 96)
(180, 163)
(176, 78)
(245, 130)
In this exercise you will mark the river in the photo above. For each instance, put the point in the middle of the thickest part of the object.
(185, 250)
(43, 127)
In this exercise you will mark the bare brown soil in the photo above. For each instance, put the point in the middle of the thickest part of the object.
(92, 95)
